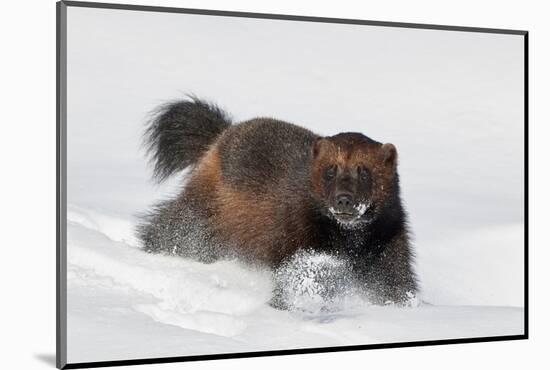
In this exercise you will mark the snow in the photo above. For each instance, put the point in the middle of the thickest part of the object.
(124, 303)
(316, 282)
(454, 115)
(362, 207)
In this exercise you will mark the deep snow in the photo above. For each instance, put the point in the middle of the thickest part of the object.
(124, 303)
(451, 102)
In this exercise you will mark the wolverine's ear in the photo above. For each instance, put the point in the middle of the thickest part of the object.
(317, 145)
(389, 154)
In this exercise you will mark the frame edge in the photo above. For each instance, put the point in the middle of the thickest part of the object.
(289, 17)
(61, 198)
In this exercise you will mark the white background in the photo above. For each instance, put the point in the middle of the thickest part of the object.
(29, 182)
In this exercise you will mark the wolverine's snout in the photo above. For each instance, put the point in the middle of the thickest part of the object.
(344, 202)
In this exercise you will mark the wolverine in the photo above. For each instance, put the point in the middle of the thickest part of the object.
(263, 189)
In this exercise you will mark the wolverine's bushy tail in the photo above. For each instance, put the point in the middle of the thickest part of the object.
(180, 132)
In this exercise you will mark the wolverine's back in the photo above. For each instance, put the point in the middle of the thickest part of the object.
(263, 153)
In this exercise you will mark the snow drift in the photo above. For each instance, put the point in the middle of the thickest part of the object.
(125, 303)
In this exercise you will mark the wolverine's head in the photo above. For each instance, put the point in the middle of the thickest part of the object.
(353, 176)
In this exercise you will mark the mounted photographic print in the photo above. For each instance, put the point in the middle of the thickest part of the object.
(238, 184)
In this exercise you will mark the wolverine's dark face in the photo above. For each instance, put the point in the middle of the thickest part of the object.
(352, 176)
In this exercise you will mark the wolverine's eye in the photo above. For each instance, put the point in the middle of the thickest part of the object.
(363, 173)
(330, 172)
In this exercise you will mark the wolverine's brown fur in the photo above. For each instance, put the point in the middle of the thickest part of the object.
(263, 189)
(253, 232)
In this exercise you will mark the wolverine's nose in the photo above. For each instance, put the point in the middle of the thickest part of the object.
(344, 201)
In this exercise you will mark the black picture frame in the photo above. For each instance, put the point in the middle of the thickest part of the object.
(61, 186)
